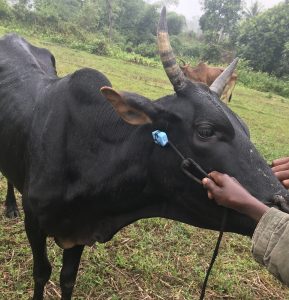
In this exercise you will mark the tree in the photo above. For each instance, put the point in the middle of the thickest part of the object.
(221, 17)
(109, 9)
(91, 15)
(167, 3)
(4, 9)
(262, 39)
(284, 62)
(175, 23)
(21, 6)
(147, 24)
(128, 14)
(3, 4)
(61, 9)
(125, 20)
(254, 10)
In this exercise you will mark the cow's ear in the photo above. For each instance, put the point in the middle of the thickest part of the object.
(128, 108)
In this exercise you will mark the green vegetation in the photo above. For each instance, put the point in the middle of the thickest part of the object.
(257, 36)
(262, 40)
(126, 30)
(220, 18)
(261, 81)
(154, 259)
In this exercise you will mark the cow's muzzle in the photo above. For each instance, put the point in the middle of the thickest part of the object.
(280, 202)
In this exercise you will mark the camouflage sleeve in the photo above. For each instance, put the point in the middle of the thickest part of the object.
(270, 243)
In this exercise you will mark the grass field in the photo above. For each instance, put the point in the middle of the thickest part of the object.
(154, 259)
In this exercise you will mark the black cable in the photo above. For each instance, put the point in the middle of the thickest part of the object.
(186, 163)
(215, 254)
(176, 150)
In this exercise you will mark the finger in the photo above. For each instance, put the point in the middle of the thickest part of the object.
(218, 177)
(283, 175)
(286, 183)
(280, 161)
(210, 195)
(282, 167)
(205, 183)
(236, 180)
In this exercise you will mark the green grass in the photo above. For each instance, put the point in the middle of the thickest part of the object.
(154, 259)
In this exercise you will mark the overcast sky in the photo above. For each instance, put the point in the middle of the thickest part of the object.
(191, 8)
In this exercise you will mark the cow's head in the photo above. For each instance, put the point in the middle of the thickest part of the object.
(203, 128)
(201, 72)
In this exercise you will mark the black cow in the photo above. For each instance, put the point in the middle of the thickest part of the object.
(83, 157)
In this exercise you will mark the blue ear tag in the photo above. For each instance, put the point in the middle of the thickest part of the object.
(160, 138)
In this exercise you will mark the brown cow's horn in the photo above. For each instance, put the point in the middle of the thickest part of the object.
(220, 82)
(174, 72)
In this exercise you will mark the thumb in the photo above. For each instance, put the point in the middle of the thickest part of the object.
(210, 186)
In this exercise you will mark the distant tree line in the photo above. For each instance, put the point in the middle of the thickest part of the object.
(228, 28)
(131, 24)
(134, 20)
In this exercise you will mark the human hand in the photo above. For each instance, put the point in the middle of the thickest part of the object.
(280, 167)
(228, 192)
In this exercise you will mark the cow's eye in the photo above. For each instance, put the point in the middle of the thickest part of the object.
(205, 131)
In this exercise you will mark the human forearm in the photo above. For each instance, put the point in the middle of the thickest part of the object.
(253, 208)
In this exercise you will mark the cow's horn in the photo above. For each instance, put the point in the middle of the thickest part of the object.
(220, 82)
(174, 72)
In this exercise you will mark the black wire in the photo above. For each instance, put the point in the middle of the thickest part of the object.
(176, 150)
(186, 162)
(215, 254)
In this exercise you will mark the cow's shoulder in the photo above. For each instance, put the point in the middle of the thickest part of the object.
(86, 77)
(86, 83)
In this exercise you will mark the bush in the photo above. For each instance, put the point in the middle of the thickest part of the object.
(193, 51)
(182, 47)
(146, 50)
(261, 81)
(100, 47)
(211, 53)
(117, 52)
(97, 46)
(58, 38)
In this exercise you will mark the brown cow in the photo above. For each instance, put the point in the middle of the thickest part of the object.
(206, 74)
